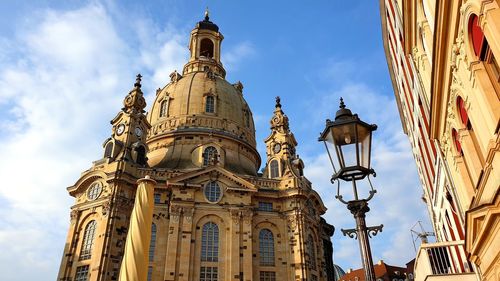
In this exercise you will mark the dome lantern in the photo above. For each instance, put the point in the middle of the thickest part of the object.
(205, 47)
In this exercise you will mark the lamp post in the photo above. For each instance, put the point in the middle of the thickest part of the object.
(351, 140)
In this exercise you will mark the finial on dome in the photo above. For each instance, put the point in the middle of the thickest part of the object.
(342, 105)
(278, 102)
(138, 81)
(207, 14)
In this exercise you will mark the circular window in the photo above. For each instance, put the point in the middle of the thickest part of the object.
(212, 192)
(94, 190)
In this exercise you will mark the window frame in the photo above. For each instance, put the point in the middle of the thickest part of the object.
(88, 240)
(267, 255)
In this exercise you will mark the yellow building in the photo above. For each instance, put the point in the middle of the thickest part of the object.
(444, 66)
(215, 217)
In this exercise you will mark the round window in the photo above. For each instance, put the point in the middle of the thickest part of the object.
(212, 192)
(94, 190)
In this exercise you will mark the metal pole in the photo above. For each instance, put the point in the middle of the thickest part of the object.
(359, 208)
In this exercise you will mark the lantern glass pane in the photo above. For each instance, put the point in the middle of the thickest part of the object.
(364, 136)
(345, 141)
(332, 152)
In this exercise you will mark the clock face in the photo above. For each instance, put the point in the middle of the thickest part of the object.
(277, 148)
(120, 129)
(138, 131)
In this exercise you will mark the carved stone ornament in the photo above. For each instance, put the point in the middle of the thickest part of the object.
(236, 216)
(106, 208)
(292, 222)
(247, 216)
(175, 76)
(73, 215)
(188, 214)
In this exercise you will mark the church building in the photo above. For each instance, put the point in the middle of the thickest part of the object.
(215, 216)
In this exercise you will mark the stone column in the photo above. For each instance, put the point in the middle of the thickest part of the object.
(172, 243)
(134, 265)
(185, 250)
(234, 244)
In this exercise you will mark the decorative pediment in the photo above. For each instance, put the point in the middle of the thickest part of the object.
(481, 222)
(213, 172)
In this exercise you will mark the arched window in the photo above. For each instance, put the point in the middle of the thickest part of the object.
(476, 34)
(164, 107)
(108, 150)
(463, 112)
(210, 104)
(266, 247)
(483, 51)
(210, 154)
(212, 192)
(207, 48)
(141, 155)
(152, 243)
(311, 251)
(210, 242)
(458, 146)
(88, 240)
(274, 169)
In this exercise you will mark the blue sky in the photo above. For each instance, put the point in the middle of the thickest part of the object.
(65, 68)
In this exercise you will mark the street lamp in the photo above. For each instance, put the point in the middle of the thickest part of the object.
(351, 140)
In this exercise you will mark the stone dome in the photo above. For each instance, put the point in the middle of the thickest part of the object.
(199, 109)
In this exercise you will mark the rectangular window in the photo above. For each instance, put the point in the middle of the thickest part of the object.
(82, 273)
(267, 276)
(157, 198)
(266, 206)
(208, 273)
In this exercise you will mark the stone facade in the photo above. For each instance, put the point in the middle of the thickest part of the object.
(443, 59)
(215, 216)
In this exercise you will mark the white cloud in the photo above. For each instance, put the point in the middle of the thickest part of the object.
(65, 77)
(237, 54)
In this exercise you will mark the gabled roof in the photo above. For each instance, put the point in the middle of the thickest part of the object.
(214, 171)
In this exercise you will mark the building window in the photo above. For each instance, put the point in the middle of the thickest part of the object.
(483, 51)
(476, 34)
(141, 155)
(458, 146)
(274, 169)
(310, 249)
(266, 247)
(208, 273)
(210, 104)
(88, 240)
(164, 107)
(207, 48)
(157, 198)
(210, 243)
(267, 276)
(209, 156)
(94, 191)
(212, 192)
(82, 273)
(266, 206)
(462, 112)
(108, 150)
(152, 243)
(315, 278)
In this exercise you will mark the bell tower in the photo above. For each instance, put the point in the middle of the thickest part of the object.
(282, 159)
(205, 48)
(129, 130)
